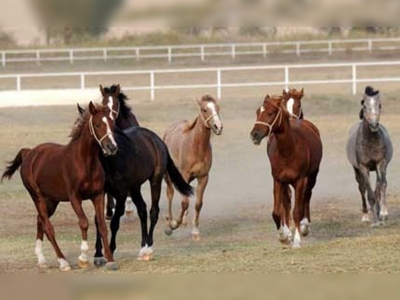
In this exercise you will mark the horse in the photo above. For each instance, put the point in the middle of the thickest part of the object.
(54, 173)
(295, 154)
(125, 118)
(190, 148)
(369, 148)
(142, 156)
(292, 102)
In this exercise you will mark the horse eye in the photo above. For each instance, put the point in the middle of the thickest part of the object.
(204, 110)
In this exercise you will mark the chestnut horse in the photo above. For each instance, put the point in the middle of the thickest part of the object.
(292, 102)
(190, 148)
(124, 118)
(54, 173)
(369, 148)
(295, 153)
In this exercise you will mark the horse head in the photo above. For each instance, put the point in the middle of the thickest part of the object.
(111, 99)
(292, 102)
(371, 108)
(210, 113)
(101, 127)
(269, 118)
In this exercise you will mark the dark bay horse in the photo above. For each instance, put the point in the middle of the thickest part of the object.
(295, 153)
(190, 148)
(369, 148)
(124, 118)
(54, 173)
(142, 156)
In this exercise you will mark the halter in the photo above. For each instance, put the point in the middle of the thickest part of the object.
(99, 141)
(270, 126)
(208, 119)
(298, 116)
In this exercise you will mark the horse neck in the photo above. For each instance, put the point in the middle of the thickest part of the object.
(285, 139)
(200, 136)
(86, 147)
(124, 123)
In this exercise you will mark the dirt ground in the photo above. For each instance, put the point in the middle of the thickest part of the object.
(237, 229)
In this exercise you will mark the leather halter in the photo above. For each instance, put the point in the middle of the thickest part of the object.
(99, 141)
(270, 126)
(208, 119)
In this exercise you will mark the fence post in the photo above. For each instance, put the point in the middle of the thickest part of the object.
(298, 51)
(82, 81)
(286, 77)
(137, 53)
(370, 46)
(169, 54)
(105, 54)
(330, 48)
(219, 81)
(152, 91)
(18, 83)
(202, 54)
(233, 51)
(71, 56)
(354, 79)
(265, 51)
(37, 57)
(3, 58)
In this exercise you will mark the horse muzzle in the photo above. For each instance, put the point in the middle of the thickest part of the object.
(256, 137)
(110, 149)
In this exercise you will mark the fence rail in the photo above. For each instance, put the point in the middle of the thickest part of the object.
(221, 82)
(200, 51)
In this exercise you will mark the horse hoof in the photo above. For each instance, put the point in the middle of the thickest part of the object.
(376, 224)
(109, 218)
(145, 257)
(305, 229)
(112, 266)
(365, 219)
(99, 261)
(83, 264)
(384, 216)
(173, 225)
(42, 265)
(66, 268)
(296, 246)
(196, 237)
(168, 231)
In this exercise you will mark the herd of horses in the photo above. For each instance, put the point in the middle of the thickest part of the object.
(109, 153)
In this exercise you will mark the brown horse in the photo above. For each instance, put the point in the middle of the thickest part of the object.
(292, 102)
(190, 149)
(54, 173)
(295, 153)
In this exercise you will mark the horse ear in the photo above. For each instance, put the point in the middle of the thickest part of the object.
(92, 108)
(102, 90)
(81, 110)
(117, 90)
(284, 93)
(302, 91)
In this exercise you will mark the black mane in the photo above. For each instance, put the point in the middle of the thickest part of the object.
(370, 91)
(124, 109)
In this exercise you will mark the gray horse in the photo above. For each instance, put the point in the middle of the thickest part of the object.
(369, 149)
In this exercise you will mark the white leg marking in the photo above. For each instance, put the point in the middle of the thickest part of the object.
(145, 253)
(39, 253)
(84, 252)
(64, 265)
(285, 235)
(297, 239)
(365, 218)
(305, 227)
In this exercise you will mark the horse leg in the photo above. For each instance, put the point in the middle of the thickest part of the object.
(110, 206)
(381, 186)
(298, 212)
(120, 199)
(286, 237)
(283, 232)
(154, 213)
(76, 204)
(362, 188)
(371, 195)
(184, 209)
(201, 186)
(142, 212)
(51, 208)
(48, 229)
(306, 221)
(101, 229)
(170, 196)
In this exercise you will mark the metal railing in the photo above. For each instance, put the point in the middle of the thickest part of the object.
(200, 51)
(222, 83)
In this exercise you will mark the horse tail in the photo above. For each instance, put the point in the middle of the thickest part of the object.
(176, 178)
(15, 164)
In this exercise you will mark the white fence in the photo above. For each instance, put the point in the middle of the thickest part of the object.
(349, 71)
(201, 51)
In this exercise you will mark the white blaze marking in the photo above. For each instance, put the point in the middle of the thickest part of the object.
(109, 133)
(289, 105)
(216, 119)
(262, 109)
(110, 106)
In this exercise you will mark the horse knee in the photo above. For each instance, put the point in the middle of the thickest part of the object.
(84, 224)
(185, 204)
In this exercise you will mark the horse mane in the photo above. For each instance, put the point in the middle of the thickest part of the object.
(191, 124)
(81, 122)
(370, 91)
(124, 109)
